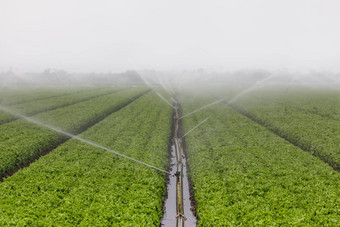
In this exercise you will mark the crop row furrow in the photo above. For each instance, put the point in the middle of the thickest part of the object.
(314, 101)
(319, 136)
(23, 141)
(309, 110)
(243, 174)
(48, 104)
(19, 96)
(77, 184)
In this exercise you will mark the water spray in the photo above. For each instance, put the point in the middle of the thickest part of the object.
(166, 87)
(166, 101)
(204, 107)
(5, 109)
(199, 124)
(253, 87)
(159, 95)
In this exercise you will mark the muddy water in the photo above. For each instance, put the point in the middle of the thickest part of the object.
(191, 219)
(170, 212)
(177, 205)
(170, 205)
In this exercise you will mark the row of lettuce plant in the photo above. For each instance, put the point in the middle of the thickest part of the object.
(243, 174)
(317, 134)
(318, 101)
(27, 94)
(78, 184)
(21, 141)
(41, 105)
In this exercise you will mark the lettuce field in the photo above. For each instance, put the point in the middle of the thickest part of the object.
(101, 156)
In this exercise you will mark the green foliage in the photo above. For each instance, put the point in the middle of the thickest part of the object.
(45, 104)
(308, 119)
(12, 96)
(77, 184)
(245, 175)
(21, 141)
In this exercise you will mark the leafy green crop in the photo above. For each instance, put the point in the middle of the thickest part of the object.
(317, 101)
(46, 104)
(313, 132)
(245, 175)
(12, 96)
(21, 141)
(77, 184)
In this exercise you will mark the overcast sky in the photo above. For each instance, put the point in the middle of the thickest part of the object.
(116, 35)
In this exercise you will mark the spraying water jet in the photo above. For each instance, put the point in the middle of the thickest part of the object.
(199, 124)
(159, 95)
(5, 109)
(253, 87)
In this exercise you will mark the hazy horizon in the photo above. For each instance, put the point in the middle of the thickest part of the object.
(115, 36)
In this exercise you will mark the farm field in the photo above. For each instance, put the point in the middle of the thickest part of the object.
(305, 118)
(11, 96)
(78, 184)
(321, 102)
(22, 141)
(268, 157)
(243, 174)
(45, 102)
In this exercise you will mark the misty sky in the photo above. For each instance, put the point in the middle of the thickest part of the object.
(112, 35)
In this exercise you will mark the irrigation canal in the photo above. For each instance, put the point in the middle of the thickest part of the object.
(177, 206)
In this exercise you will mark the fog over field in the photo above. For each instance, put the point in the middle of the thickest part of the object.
(68, 42)
(169, 113)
